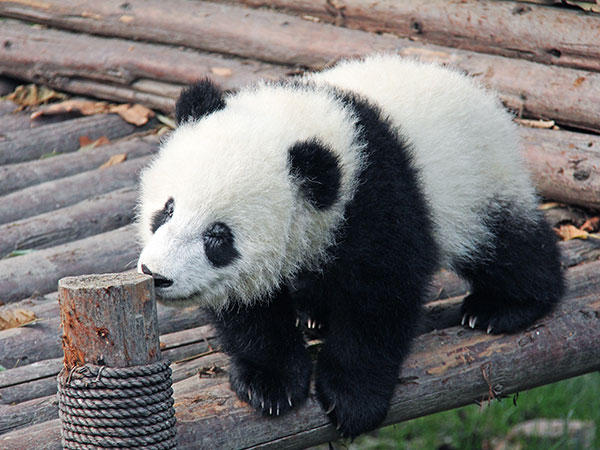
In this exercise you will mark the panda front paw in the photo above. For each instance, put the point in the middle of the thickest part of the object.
(354, 405)
(273, 391)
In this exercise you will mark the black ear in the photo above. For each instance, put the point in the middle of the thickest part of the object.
(315, 167)
(198, 100)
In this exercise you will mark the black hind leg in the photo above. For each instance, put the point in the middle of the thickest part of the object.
(519, 280)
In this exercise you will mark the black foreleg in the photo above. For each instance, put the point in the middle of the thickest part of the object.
(270, 365)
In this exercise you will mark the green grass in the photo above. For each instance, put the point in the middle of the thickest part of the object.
(474, 427)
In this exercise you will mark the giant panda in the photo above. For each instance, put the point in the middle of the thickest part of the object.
(333, 198)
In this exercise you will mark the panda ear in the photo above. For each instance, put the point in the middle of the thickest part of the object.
(315, 168)
(197, 100)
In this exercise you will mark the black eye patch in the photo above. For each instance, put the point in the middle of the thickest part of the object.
(219, 244)
(159, 218)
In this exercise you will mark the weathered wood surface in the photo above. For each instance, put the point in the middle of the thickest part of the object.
(39, 271)
(92, 216)
(536, 90)
(505, 28)
(21, 175)
(446, 369)
(571, 168)
(19, 145)
(37, 342)
(69, 190)
(44, 55)
(108, 320)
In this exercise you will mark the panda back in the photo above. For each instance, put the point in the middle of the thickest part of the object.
(463, 143)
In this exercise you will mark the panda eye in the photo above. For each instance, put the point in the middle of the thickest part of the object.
(219, 244)
(159, 218)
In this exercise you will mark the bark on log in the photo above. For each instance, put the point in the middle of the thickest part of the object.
(7, 107)
(107, 252)
(565, 166)
(18, 176)
(25, 145)
(504, 28)
(44, 55)
(92, 216)
(67, 191)
(536, 90)
(108, 320)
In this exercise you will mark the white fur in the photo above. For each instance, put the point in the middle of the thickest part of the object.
(231, 166)
(463, 141)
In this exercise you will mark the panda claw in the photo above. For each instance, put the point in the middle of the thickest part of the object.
(297, 322)
(489, 329)
(271, 410)
(249, 394)
(473, 321)
(331, 408)
(464, 319)
(277, 413)
(290, 400)
(262, 404)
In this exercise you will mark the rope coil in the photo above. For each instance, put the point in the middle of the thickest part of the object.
(130, 407)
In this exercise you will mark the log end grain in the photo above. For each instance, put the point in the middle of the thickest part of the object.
(109, 320)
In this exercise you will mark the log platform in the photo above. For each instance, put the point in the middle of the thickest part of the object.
(67, 207)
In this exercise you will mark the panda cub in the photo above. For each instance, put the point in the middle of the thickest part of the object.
(332, 199)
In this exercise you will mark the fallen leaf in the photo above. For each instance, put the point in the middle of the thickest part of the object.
(136, 114)
(114, 160)
(126, 19)
(15, 317)
(22, 252)
(221, 71)
(578, 81)
(591, 225)
(85, 143)
(33, 95)
(568, 232)
(84, 107)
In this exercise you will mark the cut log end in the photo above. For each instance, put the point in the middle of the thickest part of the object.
(108, 320)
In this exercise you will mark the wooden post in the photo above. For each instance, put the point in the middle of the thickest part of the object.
(108, 320)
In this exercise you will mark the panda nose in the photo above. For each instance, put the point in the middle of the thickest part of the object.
(159, 280)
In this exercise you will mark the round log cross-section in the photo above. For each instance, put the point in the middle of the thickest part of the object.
(108, 320)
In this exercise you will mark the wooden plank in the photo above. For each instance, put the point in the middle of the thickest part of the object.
(20, 175)
(24, 145)
(91, 216)
(503, 28)
(67, 191)
(569, 96)
(45, 55)
(570, 171)
(107, 252)
(446, 369)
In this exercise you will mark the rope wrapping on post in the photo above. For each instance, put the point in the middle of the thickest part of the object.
(130, 407)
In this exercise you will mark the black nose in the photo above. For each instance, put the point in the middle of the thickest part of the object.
(159, 280)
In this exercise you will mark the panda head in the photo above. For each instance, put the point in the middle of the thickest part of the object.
(246, 191)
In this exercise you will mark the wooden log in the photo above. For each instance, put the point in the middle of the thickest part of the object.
(40, 341)
(21, 175)
(7, 107)
(108, 320)
(503, 28)
(20, 145)
(570, 96)
(570, 171)
(43, 55)
(67, 191)
(92, 216)
(107, 252)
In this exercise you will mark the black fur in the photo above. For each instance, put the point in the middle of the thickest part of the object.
(159, 218)
(219, 245)
(198, 100)
(519, 278)
(317, 171)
